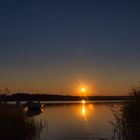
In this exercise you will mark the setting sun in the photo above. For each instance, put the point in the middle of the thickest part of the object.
(83, 90)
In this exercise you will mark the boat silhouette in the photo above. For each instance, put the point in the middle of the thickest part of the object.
(33, 106)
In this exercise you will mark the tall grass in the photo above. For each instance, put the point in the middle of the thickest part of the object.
(15, 125)
(127, 119)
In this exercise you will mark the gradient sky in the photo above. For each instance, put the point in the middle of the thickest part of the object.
(58, 45)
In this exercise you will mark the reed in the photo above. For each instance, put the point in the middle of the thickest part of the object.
(15, 125)
(127, 119)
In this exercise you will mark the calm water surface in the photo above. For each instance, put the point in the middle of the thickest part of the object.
(81, 121)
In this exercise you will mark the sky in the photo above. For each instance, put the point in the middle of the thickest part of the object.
(58, 46)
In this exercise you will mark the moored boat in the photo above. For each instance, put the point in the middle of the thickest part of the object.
(29, 105)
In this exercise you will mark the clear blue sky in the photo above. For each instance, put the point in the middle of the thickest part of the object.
(55, 46)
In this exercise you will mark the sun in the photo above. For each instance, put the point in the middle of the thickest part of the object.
(83, 90)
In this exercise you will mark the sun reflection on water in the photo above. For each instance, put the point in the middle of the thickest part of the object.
(83, 110)
(86, 109)
(83, 101)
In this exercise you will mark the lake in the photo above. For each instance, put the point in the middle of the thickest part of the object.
(77, 121)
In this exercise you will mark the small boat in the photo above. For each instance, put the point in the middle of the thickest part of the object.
(29, 105)
(31, 113)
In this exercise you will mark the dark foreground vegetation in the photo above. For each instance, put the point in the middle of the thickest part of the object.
(15, 125)
(127, 120)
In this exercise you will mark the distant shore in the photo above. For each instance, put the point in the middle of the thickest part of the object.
(50, 97)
